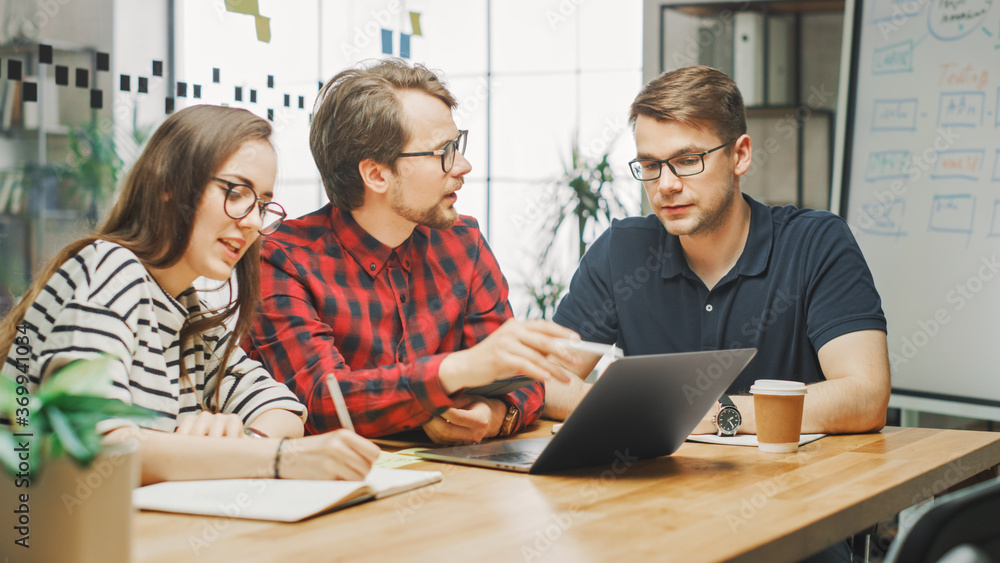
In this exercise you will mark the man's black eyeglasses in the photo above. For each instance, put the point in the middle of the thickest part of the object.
(240, 201)
(446, 152)
(647, 169)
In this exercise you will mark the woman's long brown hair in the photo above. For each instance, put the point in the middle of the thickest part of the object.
(154, 216)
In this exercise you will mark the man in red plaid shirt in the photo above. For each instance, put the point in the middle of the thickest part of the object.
(387, 287)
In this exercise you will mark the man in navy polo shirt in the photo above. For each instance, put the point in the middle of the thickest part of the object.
(713, 269)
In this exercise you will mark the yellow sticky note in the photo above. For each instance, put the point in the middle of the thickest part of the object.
(415, 22)
(251, 8)
(397, 459)
(263, 29)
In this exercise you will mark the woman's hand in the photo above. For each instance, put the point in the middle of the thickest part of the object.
(340, 454)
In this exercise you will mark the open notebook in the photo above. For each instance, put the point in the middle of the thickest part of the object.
(281, 500)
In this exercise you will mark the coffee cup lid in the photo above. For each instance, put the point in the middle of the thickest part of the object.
(778, 387)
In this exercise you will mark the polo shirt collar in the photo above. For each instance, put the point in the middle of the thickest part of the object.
(366, 250)
(756, 253)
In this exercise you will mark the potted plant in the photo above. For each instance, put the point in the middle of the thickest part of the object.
(64, 496)
(582, 196)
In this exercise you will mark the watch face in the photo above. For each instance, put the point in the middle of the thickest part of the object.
(729, 420)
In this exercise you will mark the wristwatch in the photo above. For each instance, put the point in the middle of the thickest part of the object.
(509, 420)
(727, 421)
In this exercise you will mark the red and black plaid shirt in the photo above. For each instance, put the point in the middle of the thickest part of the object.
(336, 300)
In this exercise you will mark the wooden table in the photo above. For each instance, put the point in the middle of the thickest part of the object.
(704, 503)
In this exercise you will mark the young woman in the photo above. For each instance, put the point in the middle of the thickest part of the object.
(194, 204)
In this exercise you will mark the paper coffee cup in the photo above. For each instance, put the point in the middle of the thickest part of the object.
(778, 410)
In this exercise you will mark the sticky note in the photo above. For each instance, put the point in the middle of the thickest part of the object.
(13, 69)
(415, 23)
(29, 91)
(404, 45)
(386, 41)
(263, 26)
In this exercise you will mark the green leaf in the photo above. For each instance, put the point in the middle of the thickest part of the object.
(68, 437)
(81, 377)
(8, 395)
(83, 424)
(8, 457)
(102, 407)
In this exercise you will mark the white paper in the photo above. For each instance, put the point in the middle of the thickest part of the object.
(744, 439)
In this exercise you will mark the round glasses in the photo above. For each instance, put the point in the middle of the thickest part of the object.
(689, 164)
(241, 200)
(446, 152)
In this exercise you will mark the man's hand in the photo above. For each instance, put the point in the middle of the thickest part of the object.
(471, 420)
(211, 424)
(707, 426)
(530, 348)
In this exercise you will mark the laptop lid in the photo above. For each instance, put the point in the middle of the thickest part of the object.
(641, 407)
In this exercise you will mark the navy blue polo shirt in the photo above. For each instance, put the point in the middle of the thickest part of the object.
(800, 282)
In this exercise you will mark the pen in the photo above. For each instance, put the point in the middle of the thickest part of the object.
(338, 402)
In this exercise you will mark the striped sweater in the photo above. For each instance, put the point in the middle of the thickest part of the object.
(104, 300)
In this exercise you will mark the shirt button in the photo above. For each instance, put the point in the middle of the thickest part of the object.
(708, 307)
(402, 298)
(372, 267)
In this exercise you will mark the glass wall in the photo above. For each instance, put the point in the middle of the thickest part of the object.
(534, 80)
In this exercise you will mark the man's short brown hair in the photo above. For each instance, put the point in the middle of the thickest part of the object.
(698, 96)
(358, 115)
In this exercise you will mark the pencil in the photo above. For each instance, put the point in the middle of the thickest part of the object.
(338, 402)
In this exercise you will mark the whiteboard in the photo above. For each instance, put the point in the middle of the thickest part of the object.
(921, 187)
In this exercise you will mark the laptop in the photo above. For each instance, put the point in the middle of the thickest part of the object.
(641, 407)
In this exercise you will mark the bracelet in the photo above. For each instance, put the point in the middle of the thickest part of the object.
(277, 457)
(254, 433)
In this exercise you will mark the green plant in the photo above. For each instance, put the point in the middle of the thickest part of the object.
(545, 297)
(589, 199)
(583, 196)
(95, 162)
(60, 418)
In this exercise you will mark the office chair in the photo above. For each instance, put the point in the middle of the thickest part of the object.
(966, 519)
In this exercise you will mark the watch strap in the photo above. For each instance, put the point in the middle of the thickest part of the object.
(510, 419)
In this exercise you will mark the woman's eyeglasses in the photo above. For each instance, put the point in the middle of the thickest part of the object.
(241, 200)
